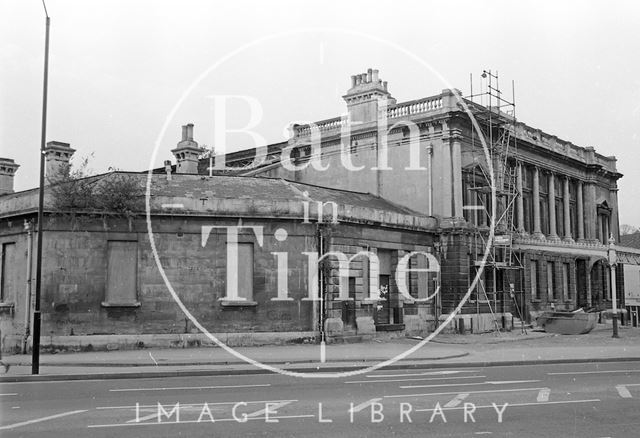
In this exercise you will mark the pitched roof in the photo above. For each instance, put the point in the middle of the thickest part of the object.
(245, 196)
(631, 240)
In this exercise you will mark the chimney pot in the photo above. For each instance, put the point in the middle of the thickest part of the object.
(184, 132)
(369, 74)
(190, 132)
(384, 84)
(375, 76)
(353, 81)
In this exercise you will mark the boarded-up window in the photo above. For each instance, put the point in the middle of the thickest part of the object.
(9, 273)
(122, 273)
(535, 293)
(551, 293)
(245, 271)
(566, 282)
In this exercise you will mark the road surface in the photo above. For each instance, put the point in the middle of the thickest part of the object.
(572, 400)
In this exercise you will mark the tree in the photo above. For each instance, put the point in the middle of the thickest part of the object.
(75, 189)
(628, 229)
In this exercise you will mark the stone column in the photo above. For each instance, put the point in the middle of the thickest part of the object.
(567, 211)
(591, 214)
(580, 212)
(456, 164)
(537, 232)
(553, 233)
(520, 202)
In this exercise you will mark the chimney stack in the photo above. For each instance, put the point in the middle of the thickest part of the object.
(167, 169)
(362, 99)
(187, 152)
(57, 157)
(8, 169)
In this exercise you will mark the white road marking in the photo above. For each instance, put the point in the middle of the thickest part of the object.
(457, 392)
(8, 394)
(483, 433)
(172, 205)
(195, 404)
(593, 372)
(363, 405)
(623, 391)
(218, 420)
(543, 395)
(180, 388)
(429, 373)
(39, 420)
(153, 359)
(272, 409)
(456, 400)
(509, 382)
(417, 379)
(513, 405)
(15, 407)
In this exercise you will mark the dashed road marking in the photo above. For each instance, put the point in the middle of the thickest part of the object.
(457, 392)
(416, 379)
(427, 373)
(195, 404)
(39, 420)
(593, 372)
(363, 405)
(9, 394)
(515, 405)
(508, 382)
(456, 400)
(543, 395)
(623, 391)
(272, 409)
(181, 388)
(173, 423)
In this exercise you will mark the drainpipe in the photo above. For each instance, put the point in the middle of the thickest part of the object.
(28, 226)
(322, 309)
(429, 180)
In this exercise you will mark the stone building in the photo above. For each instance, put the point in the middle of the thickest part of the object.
(410, 183)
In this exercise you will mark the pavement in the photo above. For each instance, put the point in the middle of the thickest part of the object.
(534, 347)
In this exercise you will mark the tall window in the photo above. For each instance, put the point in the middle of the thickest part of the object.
(544, 203)
(122, 274)
(527, 198)
(8, 273)
(558, 188)
(566, 282)
(535, 292)
(573, 208)
(551, 293)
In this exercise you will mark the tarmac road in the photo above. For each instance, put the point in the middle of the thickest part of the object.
(573, 400)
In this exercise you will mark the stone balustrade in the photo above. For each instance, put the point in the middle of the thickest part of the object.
(415, 107)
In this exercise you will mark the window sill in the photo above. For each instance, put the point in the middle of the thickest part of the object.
(133, 304)
(7, 306)
(238, 303)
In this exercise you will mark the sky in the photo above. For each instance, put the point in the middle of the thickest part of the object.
(125, 75)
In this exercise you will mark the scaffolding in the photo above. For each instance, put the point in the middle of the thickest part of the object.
(496, 117)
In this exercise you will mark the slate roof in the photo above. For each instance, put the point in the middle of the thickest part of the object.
(267, 189)
(226, 187)
(630, 240)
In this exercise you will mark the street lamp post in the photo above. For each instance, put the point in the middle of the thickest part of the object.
(35, 349)
(613, 259)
